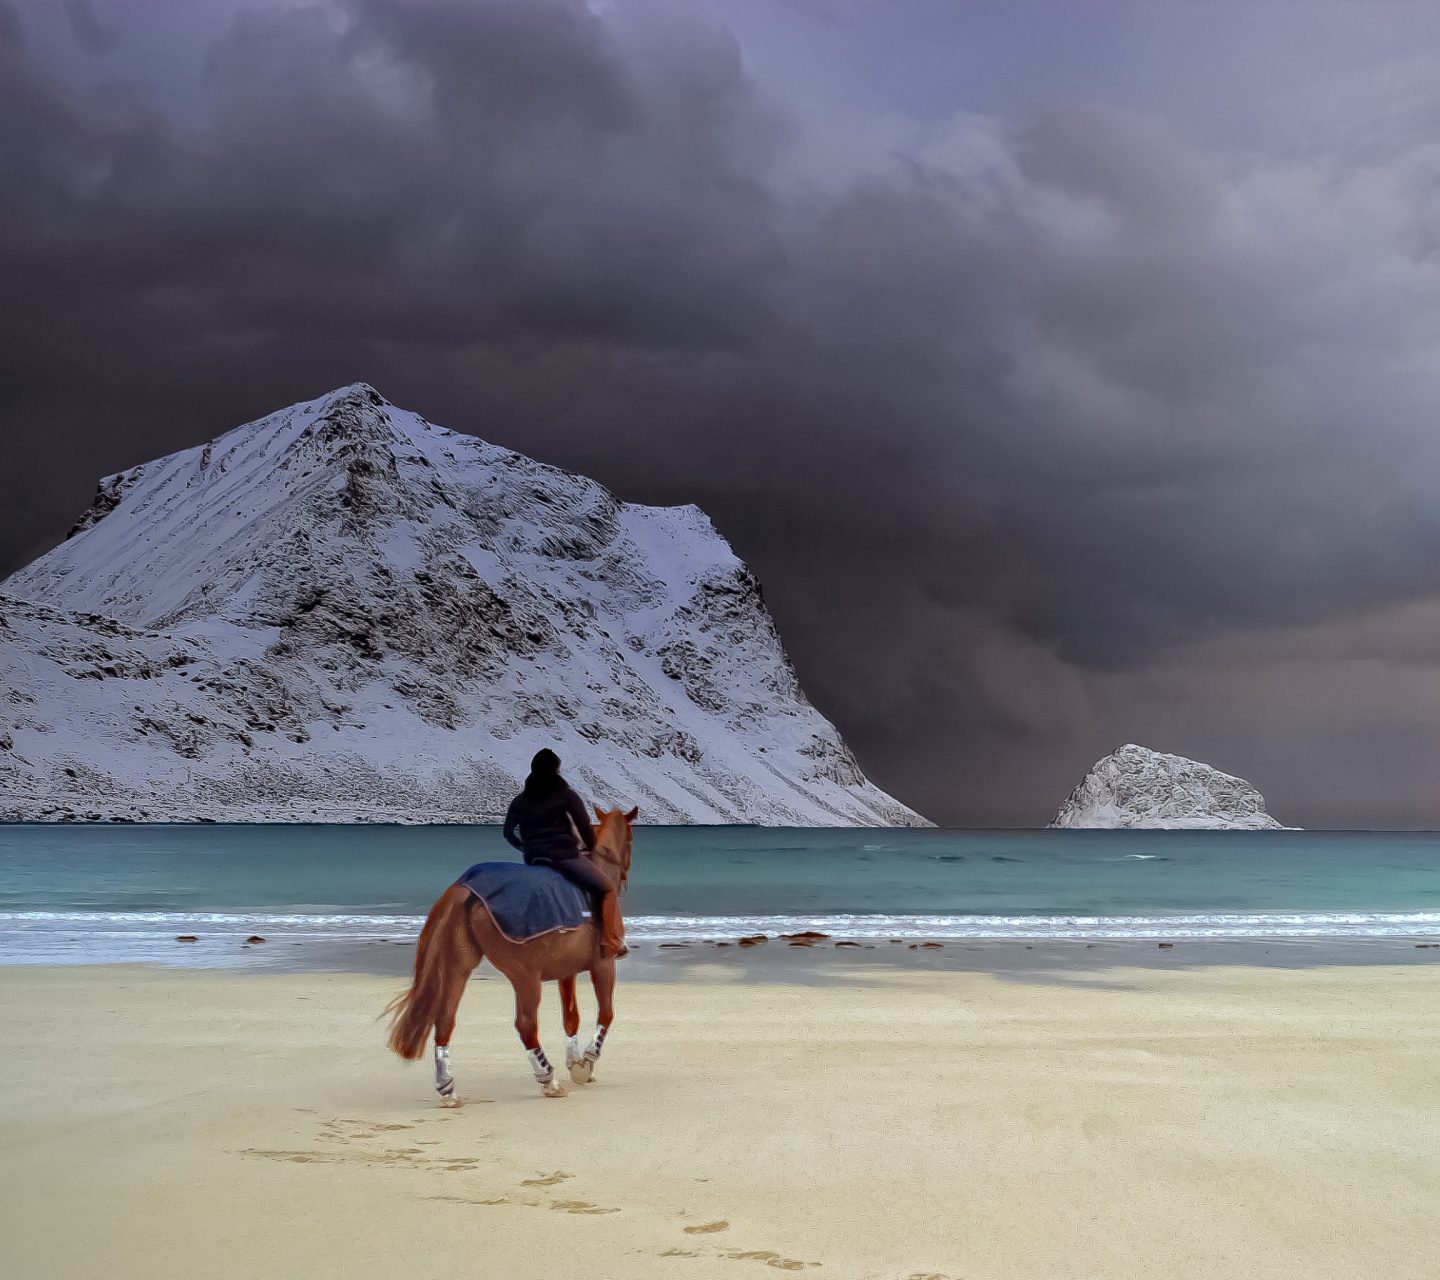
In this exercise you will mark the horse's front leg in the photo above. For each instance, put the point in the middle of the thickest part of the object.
(527, 1023)
(602, 978)
(570, 1010)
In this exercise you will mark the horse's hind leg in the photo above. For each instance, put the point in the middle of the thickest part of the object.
(527, 1023)
(451, 995)
(445, 954)
(570, 1009)
(444, 1029)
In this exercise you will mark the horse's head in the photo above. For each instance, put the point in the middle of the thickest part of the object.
(612, 839)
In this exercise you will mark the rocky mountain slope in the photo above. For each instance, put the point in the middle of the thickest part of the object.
(342, 612)
(1137, 787)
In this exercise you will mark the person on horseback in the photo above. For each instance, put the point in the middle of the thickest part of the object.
(548, 823)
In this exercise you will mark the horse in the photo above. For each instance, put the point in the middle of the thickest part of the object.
(459, 932)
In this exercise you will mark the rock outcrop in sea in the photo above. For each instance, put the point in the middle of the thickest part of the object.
(1135, 787)
(342, 612)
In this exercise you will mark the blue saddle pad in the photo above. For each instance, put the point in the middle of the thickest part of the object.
(527, 901)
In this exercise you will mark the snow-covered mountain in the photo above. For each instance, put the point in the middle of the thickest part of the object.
(1137, 787)
(342, 612)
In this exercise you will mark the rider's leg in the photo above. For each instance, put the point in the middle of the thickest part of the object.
(612, 927)
(607, 916)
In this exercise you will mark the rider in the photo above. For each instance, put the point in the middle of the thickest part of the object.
(555, 832)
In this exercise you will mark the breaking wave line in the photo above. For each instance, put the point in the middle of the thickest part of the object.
(95, 937)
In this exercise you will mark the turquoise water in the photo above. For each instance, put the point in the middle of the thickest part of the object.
(100, 893)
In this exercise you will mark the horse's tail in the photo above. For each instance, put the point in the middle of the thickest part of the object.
(445, 954)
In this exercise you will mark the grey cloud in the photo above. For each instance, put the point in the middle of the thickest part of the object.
(1002, 411)
(90, 33)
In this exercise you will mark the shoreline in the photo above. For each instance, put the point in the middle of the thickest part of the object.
(1202, 1122)
(805, 961)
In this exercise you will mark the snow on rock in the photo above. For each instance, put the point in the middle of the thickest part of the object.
(1136, 787)
(342, 612)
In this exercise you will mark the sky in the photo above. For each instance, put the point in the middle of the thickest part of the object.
(1067, 370)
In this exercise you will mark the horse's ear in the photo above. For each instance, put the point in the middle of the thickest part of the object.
(630, 817)
(599, 812)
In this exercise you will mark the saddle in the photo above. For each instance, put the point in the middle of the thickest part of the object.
(526, 901)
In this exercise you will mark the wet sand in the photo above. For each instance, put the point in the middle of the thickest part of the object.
(827, 961)
(1187, 1121)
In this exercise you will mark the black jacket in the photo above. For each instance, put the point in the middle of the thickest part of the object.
(550, 829)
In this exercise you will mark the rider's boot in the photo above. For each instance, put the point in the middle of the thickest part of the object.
(612, 928)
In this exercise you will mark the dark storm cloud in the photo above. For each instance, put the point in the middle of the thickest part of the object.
(1002, 410)
(90, 33)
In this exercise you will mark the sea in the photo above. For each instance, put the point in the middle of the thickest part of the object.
(82, 894)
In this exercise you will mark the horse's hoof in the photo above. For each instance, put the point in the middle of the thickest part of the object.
(552, 1088)
(449, 1100)
(583, 1071)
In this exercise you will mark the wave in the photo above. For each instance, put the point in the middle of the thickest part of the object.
(1359, 924)
(19, 925)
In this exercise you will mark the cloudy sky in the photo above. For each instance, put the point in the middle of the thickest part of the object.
(1068, 370)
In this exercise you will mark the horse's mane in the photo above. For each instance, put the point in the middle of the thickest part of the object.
(613, 833)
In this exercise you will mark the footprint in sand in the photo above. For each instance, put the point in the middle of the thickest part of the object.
(579, 1206)
(559, 1206)
(769, 1258)
(358, 1135)
(547, 1179)
(352, 1130)
(466, 1200)
(407, 1156)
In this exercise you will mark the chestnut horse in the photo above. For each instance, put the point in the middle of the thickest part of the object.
(459, 933)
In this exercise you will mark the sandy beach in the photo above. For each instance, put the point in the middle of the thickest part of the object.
(1224, 1121)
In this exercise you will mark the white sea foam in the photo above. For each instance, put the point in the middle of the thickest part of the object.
(50, 937)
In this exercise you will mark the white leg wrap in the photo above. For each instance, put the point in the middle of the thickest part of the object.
(593, 1052)
(444, 1081)
(540, 1064)
(572, 1051)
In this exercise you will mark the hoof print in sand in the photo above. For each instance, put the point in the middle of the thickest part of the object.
(707, 1228)
(547, 1179)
